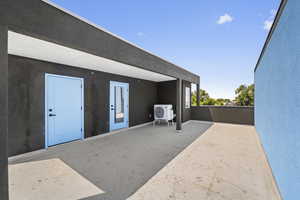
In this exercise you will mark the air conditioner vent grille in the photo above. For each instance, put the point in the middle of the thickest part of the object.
(159, 112)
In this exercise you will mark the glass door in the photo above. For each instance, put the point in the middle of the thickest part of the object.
(119, 108)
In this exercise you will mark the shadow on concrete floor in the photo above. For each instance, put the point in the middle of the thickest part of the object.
(120, 164)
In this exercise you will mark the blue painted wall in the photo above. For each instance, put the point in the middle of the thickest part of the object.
(277, 101)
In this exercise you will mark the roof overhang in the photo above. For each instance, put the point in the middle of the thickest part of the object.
(30, 47)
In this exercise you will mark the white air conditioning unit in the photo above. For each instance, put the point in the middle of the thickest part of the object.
(163, 112)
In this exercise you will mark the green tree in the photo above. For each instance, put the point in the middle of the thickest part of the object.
(245, 95)
(194, 99)
(209, 101)
(205, 99)
(204, 96)
(222, 102)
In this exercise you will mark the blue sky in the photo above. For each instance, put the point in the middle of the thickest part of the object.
(216, 39)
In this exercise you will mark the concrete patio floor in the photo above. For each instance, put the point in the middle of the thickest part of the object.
(226, 163)
(117, 164)
(204, 161)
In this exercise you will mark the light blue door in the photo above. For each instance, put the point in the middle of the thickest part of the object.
(64, 109)
(119, 99)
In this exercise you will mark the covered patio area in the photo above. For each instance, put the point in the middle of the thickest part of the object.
(205, 160)
(64, 78)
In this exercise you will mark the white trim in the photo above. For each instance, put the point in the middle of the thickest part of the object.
(47, 75)
(106, 31)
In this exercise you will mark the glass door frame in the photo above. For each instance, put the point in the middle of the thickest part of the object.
(114, 124)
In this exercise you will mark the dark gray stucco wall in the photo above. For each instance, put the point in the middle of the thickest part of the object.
(26, 101)
(186, 112)
(41, 20)
(226, 114)
(167, 94)
(179, 105)
(3, 114)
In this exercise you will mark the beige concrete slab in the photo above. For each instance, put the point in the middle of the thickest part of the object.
(48, 180)
(226, 163)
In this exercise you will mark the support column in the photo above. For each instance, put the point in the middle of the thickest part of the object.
(3, 114)
(198, 94)
(179, 105)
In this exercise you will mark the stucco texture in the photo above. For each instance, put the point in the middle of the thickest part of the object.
(277, 101)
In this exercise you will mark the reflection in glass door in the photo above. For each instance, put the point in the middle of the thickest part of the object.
(118, 105)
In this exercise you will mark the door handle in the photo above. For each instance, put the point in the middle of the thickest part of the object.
(52, 115)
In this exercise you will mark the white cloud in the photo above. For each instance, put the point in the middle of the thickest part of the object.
(273, 12)
(140, 34)
(269, 22)
(225, 19)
